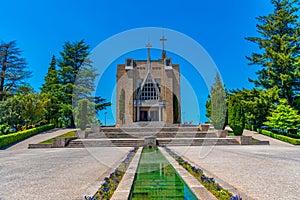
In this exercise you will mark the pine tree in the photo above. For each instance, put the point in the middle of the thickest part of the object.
(218, 104)
(12, 67)
(51, 90)
(279, 55)
(51, 79)
(73, 58)
(76, 78)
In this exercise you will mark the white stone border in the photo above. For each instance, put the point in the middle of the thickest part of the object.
(234, 191)
(124, 188)
(197, 188)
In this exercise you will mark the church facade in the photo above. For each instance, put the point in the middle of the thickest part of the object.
(148, 90)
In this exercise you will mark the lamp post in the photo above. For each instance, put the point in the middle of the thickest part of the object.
(105, 118)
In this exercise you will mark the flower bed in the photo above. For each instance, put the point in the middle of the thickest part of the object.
(111, 182)
(209, 183)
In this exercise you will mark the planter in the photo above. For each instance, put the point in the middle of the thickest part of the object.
(203, 127)
(58, 142)
(95, 128)
(245, 140)
(82, 134)
(150, 142)
(222, 133)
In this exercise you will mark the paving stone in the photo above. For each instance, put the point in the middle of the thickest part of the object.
(56, 173)
(257, 172)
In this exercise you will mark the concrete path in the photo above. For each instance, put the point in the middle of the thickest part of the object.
(39, 138)
(260, 172)
(261, 137)
(49, 174)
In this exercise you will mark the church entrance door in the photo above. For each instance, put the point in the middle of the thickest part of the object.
(144, 116)
(153, 115)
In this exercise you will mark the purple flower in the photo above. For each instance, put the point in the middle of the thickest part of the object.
(105, 189)
(116, 180)
(237, 197)
(112, 175)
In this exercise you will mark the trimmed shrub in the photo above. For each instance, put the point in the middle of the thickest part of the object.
(280, 137)
(236, 115)
(4, 129)
(9, 139)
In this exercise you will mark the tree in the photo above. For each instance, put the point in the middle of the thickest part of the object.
(236, 115)
(76, 79)
(34, 105)
(73, 58)
(208, 107)
(10, 110)
(283, 117)
(279, 55)
(12, 67)
(100, 104)
(51, 79)
(83, 114)
(25, 108)
(51, 90)
(218, 104)
(257, 104)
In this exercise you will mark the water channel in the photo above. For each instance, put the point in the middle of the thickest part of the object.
(157, 179)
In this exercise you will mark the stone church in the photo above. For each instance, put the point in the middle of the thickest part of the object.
(148, 90)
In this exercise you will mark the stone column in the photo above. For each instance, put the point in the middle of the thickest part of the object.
(137, 113)
(159, 114)
(149, 115)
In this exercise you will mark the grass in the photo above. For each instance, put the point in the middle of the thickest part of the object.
(230, 133)
(66, 135)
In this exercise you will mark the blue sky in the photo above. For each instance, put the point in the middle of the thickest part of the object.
(41, 27)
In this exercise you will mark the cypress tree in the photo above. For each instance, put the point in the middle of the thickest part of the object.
(218, 104)
(236, 115)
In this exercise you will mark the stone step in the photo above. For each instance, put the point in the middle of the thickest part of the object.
(158, 135)
(149, 129)
(80, 143)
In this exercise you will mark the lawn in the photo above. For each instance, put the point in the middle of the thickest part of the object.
(66, 135)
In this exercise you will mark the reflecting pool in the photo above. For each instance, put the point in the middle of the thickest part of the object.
(157, 179)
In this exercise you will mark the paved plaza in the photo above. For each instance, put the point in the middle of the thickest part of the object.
(256, 172)
(260, 172)
(50, 174)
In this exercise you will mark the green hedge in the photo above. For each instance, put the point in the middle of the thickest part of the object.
(9, 139)
(279, 137)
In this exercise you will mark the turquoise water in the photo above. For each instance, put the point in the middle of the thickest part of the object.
(157, 179)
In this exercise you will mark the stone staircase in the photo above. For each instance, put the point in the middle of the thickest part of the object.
(166, 135)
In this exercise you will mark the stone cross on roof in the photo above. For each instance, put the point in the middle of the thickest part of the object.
(163, 39)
